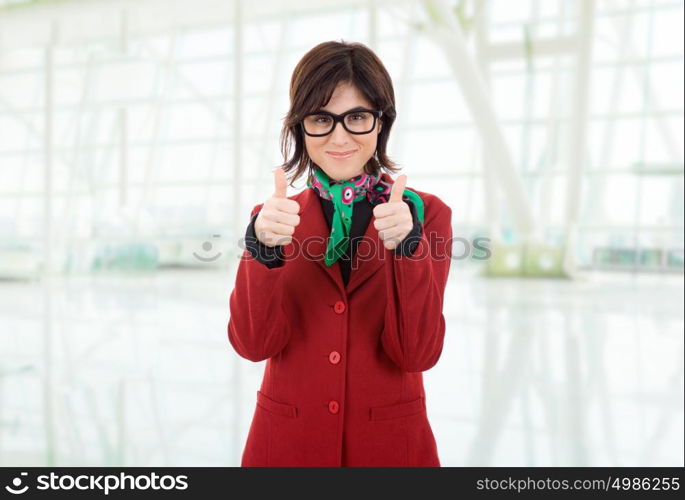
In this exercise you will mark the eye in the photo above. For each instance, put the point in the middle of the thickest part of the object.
(322, 119)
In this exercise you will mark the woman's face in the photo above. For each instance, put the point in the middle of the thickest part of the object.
(361, 147)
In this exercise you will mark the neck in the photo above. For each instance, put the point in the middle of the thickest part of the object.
(339, 181)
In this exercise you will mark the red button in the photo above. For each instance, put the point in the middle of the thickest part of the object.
(333, 407)
(339, 307)
(334, 357)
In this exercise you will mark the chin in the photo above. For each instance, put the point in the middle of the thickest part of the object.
(341, 173)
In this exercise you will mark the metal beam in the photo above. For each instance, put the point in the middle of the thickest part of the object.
(48, 267)
(577, 151)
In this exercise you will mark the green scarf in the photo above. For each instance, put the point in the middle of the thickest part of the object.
(344, 194)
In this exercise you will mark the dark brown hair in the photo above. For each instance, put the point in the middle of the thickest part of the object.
(312, 84)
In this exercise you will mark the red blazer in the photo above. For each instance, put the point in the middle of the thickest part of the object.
(342, 383)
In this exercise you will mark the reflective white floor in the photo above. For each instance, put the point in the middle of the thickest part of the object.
(115, 370)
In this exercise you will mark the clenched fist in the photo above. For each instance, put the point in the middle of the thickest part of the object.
(278, 217)
(393, 219)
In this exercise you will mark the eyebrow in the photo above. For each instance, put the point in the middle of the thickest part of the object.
(358, 108)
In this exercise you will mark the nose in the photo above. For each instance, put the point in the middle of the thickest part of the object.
(339, 135)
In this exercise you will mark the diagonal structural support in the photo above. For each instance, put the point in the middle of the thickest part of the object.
(447, 33)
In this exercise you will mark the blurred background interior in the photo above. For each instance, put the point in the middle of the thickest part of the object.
(136, 136)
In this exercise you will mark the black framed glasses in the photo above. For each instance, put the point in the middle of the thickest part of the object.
(356, 121)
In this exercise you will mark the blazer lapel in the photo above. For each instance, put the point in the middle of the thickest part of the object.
(312, 236)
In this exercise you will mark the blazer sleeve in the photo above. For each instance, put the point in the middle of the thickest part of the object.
(258, 327)
(414, 328)
(269, 256)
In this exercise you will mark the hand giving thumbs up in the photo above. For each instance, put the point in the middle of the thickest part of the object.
(278, 217)
(393, 219)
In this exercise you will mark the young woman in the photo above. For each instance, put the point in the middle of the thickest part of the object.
(341, 286)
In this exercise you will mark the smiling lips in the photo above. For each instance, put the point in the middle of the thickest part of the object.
(340, 156)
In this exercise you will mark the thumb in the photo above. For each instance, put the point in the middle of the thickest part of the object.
(398, 188)
(280, 184)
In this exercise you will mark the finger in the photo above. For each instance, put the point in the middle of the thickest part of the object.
(390, 234)
(385, 222)
(390, 245)
(281, 239)
(398, 188)
(287, 205)
(286, 218)
(279, 228)
(272, 239)
(280, 184)
(383, 210)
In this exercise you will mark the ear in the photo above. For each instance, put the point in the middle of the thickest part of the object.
(380, 126)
